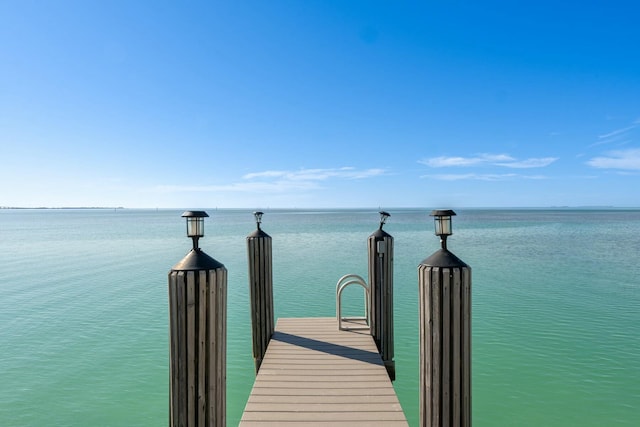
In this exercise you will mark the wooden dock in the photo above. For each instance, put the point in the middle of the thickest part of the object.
(316, 375)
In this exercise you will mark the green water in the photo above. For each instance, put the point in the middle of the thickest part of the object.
(83, 308)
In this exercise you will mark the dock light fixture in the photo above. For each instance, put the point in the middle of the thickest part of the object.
(258, 216)
(442, 222)
(383, 218)
(195, 225)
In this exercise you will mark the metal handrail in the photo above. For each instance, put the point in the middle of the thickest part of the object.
(343, 282)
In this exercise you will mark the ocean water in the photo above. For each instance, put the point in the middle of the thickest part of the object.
(84, 317)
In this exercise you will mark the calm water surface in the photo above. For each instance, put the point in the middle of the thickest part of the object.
(84, 325)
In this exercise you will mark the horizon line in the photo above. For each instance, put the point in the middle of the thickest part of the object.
(559, 207)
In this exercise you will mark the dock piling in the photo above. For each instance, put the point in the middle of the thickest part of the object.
(445, 334)
(260, 289)
(198, 335)
(380, 251)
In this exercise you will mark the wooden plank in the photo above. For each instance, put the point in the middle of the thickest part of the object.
(322, 373)
(327, 424)
(202, 354)
(221, 281)
(173, 322)
(182, 351)
(191, 353)
(382, 398)
(319, 384)
(214, 352)
(424, 312)
(446, 346)
(289, 391)
(466, 343)
(315, 374)
(289, 416)
(316, 407)
(436, 336)
(269, 297)
(457, 339)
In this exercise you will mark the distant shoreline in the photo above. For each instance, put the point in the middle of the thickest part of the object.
(513, 208)
(62, 207)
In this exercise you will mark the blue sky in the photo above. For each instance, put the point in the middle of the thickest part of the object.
(307, 103)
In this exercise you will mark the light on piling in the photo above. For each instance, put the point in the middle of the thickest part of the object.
(195, 225)
(258, 217)
(383, 218)
(442, 222)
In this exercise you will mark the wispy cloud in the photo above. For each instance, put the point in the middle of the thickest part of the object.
(621, 159)
(482, 177)
(443, 161)
(616, 132)
(503, 160)
(241, 187)
(265, 174)
(539, 162)
(617, 136)
(470, 176)
(278, 181)
(316, 174)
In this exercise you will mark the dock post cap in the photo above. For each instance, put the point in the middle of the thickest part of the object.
(194, 214)
(442, 212)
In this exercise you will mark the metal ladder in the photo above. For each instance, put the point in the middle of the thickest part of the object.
(343, 282)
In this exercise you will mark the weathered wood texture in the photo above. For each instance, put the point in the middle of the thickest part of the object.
(445, 346)
(380, 250)
(198, 337)
(260, 292)
(315, 375)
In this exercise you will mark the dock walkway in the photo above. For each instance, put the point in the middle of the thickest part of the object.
(316, 375)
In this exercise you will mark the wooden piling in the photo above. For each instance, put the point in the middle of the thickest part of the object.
(260, 291)
(445, 341)
(198, 340)
(380, 250)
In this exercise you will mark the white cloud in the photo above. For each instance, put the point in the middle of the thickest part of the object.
(622, 159)
(241, 187)
(535, 177)
(471, 176)
(529, 163)
(443, 161)
(317, 174)
(482, 177)
(503, 160)
(279, 181)
(265, 174)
